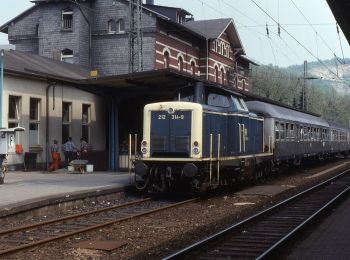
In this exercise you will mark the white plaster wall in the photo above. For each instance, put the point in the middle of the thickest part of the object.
(31, 88)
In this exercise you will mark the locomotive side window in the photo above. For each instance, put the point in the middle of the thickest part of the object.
(218, 100)
(239, 103)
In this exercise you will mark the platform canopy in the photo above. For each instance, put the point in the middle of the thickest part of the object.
(341, 11)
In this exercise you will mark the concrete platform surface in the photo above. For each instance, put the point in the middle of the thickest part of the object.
(27, 187)
(330, 240)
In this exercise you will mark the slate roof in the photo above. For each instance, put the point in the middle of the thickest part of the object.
(16, 61)
(210, 29)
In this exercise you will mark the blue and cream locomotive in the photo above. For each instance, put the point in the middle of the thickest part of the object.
(205, 138)
(210, 136)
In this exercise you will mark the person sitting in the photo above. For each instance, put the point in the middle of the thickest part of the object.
(69, 151)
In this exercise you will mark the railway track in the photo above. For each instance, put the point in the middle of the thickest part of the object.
(264, 234)
(20, 238)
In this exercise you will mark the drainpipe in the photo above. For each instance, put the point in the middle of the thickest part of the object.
(88, 22)
(2, 54)
(51, 84)
(207, 41)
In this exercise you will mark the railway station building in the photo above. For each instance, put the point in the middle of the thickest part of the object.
(76, 65)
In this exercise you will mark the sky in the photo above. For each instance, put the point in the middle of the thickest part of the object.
(308, 28)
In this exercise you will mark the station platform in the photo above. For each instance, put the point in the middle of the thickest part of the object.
(330, 240)
(25, 190)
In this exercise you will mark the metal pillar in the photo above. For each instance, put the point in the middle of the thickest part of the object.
(2, 54)
(304, 100)
(135, 36)
(113, 136)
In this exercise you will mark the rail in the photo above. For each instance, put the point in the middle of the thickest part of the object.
(20, 238)
(261, 235)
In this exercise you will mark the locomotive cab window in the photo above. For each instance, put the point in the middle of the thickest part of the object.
(239, 104)
(218, 100)
(185, 95)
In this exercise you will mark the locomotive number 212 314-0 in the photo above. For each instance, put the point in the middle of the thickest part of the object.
(172, 117)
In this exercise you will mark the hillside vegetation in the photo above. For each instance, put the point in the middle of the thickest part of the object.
(324, 95)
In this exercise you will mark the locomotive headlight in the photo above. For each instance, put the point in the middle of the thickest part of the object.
(195, 150)
(195, 143)
(144, 150)
(144, 143)
(171, 110)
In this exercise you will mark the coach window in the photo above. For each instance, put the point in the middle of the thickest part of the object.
(287, 131)
(292, 131)
(282, 130)
(277, 131)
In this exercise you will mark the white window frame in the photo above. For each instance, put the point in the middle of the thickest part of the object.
(35, 121)
(18, 112)
(87, 123)
(66, 24)
(69, 122)
(68, 58)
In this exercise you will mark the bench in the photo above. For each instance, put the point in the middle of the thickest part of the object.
(79, 165)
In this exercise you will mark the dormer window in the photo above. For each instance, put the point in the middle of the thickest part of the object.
(180, 19)
(67, 19)
(67, 56)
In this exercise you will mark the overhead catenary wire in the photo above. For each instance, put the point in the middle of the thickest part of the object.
(307, 20)
(294, 38)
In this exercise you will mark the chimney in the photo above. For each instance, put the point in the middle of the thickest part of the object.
(149, 2)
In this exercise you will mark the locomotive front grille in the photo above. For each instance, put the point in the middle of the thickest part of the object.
(158, 143)
(182, 143)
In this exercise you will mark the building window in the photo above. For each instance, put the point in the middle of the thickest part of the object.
(243, 84)
(86, 122)
(120, 26)
(34, 121)
(180, 63)
(67, 19)
(166, 59)
(37, 30)
(112, 26)
(222, 77)
(193, 68)
(14, 111)
(67, 56)
(66, 120)
(216, 74)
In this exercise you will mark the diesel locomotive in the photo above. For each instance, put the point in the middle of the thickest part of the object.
(211, 136)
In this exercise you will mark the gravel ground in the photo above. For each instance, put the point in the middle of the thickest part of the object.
(160, 234)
